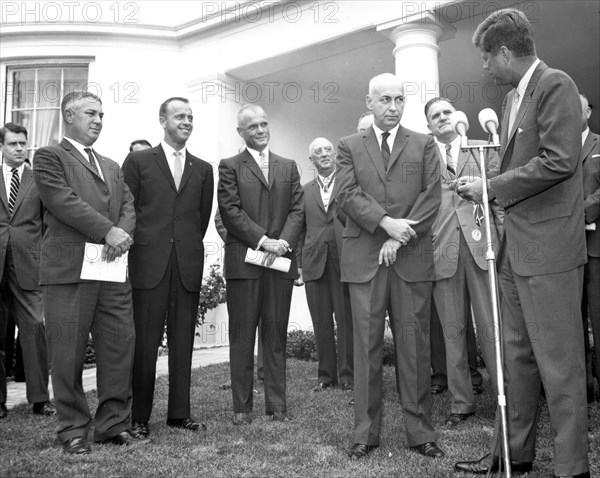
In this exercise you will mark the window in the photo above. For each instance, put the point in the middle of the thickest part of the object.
(33, 95)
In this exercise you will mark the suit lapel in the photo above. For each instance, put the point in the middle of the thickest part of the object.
(3, 198)
(251, 165)
(316, 192)
(66, 144)
(463, 158)
(374, 151)
(273, 166)
(590, 141)
(161, 161)
(187, 170)
(24, 187)
(399, 144)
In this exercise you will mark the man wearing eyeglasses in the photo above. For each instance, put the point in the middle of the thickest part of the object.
(389, 189)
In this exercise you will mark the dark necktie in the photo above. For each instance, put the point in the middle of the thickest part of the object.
(385, 148)
(450, 165)
(91, 159)
(14, 189)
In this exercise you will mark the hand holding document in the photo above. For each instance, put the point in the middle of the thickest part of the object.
(257, 258)
(94, 267)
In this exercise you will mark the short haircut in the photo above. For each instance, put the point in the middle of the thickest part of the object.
(72, 97)
(139, 141)
(13, 128)
(162, 112)
(586, 99)
(509, 28)
(435, 100)
(249, 107)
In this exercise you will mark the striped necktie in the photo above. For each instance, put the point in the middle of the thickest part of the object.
(14, 189)
(450, 163)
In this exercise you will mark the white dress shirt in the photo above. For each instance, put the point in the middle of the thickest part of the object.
(170, 155)
(81, 148)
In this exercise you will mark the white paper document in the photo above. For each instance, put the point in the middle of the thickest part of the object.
(281, 264)
(95, 268)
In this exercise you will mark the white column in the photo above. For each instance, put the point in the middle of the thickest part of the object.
(416, 53)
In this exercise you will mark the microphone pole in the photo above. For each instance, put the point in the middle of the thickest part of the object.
(490, 257)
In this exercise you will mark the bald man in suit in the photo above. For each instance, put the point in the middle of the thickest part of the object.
(389, 189)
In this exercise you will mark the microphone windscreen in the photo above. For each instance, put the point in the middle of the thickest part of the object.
(486, 115)
(459, 118)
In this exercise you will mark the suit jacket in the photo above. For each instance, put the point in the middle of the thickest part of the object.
(410, 189)
(590, 156)
(455, 217)
(80, 208)
(539, 180)
(319, 241)
(22, 230)
(168, 218)
(251, 209)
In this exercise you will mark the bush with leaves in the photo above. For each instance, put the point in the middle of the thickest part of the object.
(212, 293)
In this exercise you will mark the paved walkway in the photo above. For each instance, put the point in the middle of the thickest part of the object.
(201, 357)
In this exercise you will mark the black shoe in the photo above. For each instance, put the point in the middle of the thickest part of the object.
(322, 386)
(358, 451)
(44, 408)
(429, 449)
(456, 418)
(489, 464)
(186, 424)
(242, 419)
(347, 387)
(139, 430)
(477, 389)
(279, 416)
(125, 438)
(76, 446)
(3, 410)
(437, 389)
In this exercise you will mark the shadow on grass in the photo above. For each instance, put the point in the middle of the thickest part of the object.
(312, 445)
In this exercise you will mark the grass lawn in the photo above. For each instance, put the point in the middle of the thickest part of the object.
(312, 445)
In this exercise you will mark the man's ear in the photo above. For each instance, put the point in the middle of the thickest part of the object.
(369, 102)
(506, 54)
(68, 116)
(162, 120)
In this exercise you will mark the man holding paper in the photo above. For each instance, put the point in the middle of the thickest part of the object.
(87, 201)
(262, 207)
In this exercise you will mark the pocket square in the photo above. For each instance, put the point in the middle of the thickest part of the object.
(519, 130)
(595, 155)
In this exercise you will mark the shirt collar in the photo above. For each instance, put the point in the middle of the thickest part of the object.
(169, 150)
(80, 147)
(8, 169)
(255, 154)
(522, 86)
(379, 132)
(584, 135)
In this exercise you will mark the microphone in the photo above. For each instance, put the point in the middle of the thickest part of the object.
(460, 123)
(488, 119)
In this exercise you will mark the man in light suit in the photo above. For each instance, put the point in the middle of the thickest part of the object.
(20, 293)
(86, 200)
(262, 207)
(389, 189)
(319, 268)
(461, 277)
(539, 185)
(590, 158)
(173, 192)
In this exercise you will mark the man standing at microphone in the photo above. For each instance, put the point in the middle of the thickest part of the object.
(543, 250)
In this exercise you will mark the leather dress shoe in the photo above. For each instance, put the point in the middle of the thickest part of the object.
(44, 408)
(358, 451)
(3, 410)
(477, 389)
(347, 387)
(322, 386)
(186, 424)
(456, 418)
(242, 419)
(429, 449)
(489, 464)
(139, 429)
(76, 446)
(279, 416)
(125, 438)
(437, 389)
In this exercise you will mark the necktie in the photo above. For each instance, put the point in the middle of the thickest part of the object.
(385, 148)
(91, 159)
(264, 165)
(514, 107)
(450, 163)
(14, 189)
(177, 169)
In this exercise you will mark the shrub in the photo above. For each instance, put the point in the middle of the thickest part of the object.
(301, 345)
(212, 293)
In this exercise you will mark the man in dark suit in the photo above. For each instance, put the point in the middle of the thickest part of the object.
(389, 189)
(262, 207)
(173, 192)
(590, 158)
(86, 200)
(539, 185)
(20, 293)
(319, 268)
(461, 276)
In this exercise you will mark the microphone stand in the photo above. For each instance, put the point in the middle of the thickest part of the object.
(490, 257)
